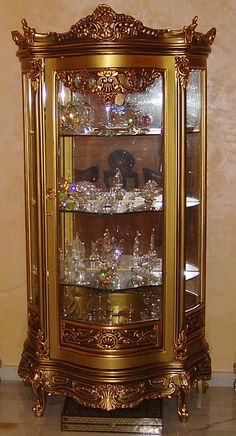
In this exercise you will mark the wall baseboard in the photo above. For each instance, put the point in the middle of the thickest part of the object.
(220, 379)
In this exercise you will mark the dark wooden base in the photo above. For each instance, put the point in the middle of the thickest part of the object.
(145, 418)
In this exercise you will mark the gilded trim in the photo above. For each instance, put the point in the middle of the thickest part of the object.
(107, 83)
(25, 40)
(182, 69)
(197, 37)
(104, 24)
(35, 73)
(110, 338)
(42, 349)
(110, 396)
(181, 347)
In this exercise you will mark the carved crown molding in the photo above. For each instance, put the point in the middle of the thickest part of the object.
(106, 25)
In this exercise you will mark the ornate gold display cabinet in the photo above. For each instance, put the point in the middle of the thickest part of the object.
(115, 166)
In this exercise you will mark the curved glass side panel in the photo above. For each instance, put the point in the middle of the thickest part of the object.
(194, 162)
(31, 174)
(110, 185)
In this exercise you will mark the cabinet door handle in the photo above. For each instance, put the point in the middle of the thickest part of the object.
(51, 194)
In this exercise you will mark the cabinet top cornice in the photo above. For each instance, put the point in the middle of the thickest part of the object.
(105, 25)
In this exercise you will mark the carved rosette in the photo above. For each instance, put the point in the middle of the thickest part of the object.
(110, 339)
(107, 83)
(181, 347)
(42, 349)
(35, 73)
(182, 70)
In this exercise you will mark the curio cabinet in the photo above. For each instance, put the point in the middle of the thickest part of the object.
(115, 188)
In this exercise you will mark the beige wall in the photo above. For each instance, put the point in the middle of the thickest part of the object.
(58, 15)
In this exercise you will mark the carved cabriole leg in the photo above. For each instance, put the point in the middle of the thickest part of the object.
(39, 390)
(182, 405)
(182, 397)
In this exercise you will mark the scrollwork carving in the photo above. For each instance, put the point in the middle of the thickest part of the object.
(104, 24)
(181, 347)
(107, 83)
(107, 396)
(42, 349)
(191, 36)
(111, 339)
(182, 70)
(38, 384)
(36, 70)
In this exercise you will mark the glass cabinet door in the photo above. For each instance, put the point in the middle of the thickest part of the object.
(110, 206)
(194, 189)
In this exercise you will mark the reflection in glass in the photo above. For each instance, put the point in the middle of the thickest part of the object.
(133, 113)
(193, 102)
(110, 186)
(148, 106)
(193, 230)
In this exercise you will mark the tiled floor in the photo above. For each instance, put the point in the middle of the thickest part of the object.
(212, 413)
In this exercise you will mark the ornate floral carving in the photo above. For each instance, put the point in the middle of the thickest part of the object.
(109, 396)
(181, 346)
(182, 69)
(109, 338)
(107, 83)
(36, 70)
(42, 349)
(25, 40)
(104, 24)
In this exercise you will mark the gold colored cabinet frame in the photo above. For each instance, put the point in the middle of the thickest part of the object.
(115, 177)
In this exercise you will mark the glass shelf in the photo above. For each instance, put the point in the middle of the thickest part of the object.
(127, 205)
(129, 274)
(115, 132)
